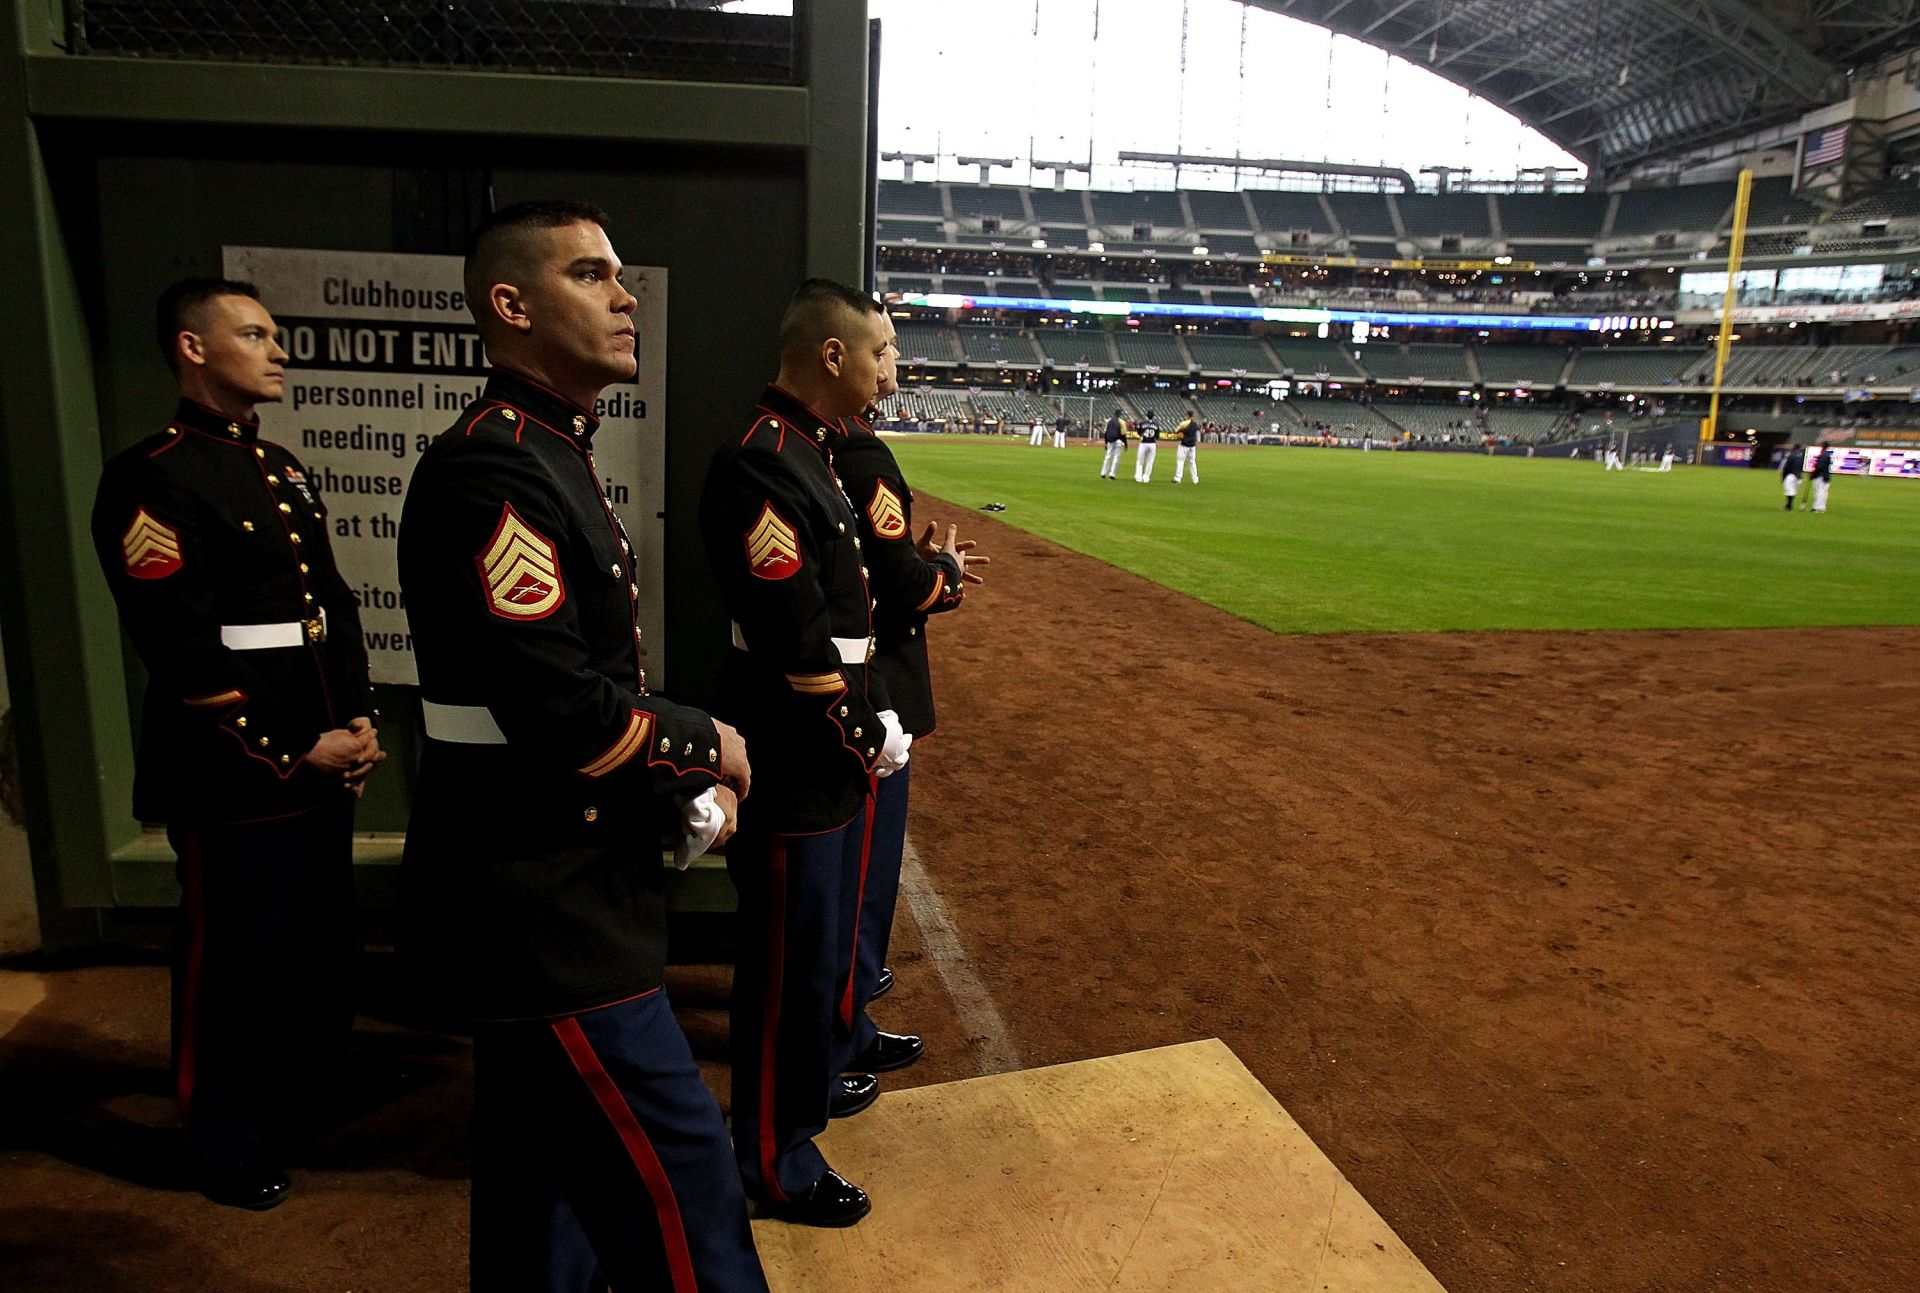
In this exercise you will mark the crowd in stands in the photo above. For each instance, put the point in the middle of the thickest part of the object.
(975, 240)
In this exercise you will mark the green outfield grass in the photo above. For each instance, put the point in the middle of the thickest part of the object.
(1320, 540)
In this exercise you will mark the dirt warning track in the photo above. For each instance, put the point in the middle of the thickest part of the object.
(1589, 957)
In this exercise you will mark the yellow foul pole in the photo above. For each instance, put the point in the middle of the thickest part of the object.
(1742, 195)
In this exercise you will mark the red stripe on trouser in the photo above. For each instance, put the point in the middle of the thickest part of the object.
(193, 896)
(859, 901)
(673, 1234)
(770, 1014)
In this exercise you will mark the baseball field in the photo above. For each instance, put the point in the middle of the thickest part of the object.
(1325, 541)
(1587, 952)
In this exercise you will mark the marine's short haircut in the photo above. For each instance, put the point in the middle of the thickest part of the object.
(180, 306)
(821, 308)
(502, 247)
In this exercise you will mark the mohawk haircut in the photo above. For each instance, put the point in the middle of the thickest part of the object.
(180, 310)
(502, 249)
(819, 309)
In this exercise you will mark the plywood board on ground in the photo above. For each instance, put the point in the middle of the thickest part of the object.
(1167, 1169)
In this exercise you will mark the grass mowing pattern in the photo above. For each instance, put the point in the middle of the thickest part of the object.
(1322, 541)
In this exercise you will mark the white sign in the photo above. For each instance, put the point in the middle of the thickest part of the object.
(382, 358)
(1856, 312)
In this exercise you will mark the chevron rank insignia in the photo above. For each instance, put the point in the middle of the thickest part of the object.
(888, 517)
(151, 548)
(773, 550)
(521, 570)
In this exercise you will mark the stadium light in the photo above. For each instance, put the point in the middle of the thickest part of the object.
(986, 165)
(908, 159)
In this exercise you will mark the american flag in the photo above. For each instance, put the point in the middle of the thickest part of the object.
(1823, 147)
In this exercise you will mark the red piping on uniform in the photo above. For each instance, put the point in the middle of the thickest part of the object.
(193, 896)
(485, 413)
(605, 1005)
(834, 718)
(770, 1014)
(525, 380)
(679, 771)
(866, 856)
(673, 1233)
(174, 443)
(282, 772)
(808, 409)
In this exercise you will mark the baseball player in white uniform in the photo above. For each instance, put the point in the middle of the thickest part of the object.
(1116, 437)
(1186, 455)
(1790, 465)
(1149, 449)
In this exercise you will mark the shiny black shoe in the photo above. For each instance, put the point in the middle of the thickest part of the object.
(852, 1093)
(256, 1187)
(882, 985)
(889, 1051)
(832, 1200)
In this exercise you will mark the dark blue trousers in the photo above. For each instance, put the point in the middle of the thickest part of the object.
(799, 903)
(600, 1160)
(879, 893)
(262, 977)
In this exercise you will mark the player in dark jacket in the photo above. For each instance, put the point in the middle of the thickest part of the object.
(1148, 450)
(1822, 477)
(1187, 453)
(1115, 436)
(1792, 462)
(256, 736)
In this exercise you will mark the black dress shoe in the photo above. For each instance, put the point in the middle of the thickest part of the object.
(852, 1093)
(830, 1201)
(889, 1051)
(253, 1186)
(882, 985)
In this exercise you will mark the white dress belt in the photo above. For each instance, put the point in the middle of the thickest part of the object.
(852, 650)
(461, 724)
(266, 637)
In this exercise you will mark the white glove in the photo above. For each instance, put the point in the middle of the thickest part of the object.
(700, 820)
(893, 754)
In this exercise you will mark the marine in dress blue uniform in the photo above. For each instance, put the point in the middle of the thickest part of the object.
(256, 730)
(908, 586)
(784, 543)
(532, 885)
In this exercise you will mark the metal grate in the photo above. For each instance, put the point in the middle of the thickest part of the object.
(646, 39)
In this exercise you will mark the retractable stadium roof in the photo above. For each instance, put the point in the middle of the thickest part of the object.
(1616, 82)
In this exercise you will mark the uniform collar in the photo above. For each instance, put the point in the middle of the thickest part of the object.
(542, 404)
(818, 431)
(195, 416)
